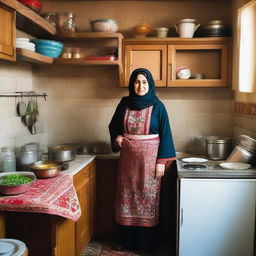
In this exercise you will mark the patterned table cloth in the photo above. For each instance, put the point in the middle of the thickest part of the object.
(55, 196)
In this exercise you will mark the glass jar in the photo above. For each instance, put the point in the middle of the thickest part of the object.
(66, 23)
(8, 160)
(51, 17)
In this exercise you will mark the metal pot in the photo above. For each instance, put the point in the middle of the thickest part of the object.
(244, 151)
(218, 148)
(241, 155)
(46, 169)
(62, 153)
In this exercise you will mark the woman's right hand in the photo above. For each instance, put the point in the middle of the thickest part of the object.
(119, 140)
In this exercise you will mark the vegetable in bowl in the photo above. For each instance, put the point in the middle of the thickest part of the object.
(15, 183)
(15, 180)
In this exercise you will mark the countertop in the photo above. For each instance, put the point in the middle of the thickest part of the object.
(82, 160)
(78, 163)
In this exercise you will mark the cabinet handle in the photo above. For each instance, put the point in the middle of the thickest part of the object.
(170, 71)
(181, 217)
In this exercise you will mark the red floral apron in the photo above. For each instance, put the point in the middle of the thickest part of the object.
(137, 201)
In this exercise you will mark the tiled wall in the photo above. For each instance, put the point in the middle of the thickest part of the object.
(82, 101)
(15, 77)
(245, 119)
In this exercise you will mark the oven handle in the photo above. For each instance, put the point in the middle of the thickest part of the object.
(181, 217)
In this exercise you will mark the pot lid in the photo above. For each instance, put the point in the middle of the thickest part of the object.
(218, 139)
(187, 21)
(19, 247)
(6, 248)
(247, 142)
(62, 148)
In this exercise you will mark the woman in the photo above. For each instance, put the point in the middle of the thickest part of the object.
(140, 129)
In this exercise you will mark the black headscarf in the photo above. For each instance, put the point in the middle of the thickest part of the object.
(136, 102)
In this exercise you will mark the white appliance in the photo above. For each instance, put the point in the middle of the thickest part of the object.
(216, 216)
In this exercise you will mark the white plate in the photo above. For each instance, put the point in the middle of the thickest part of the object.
(194, 160)
(27, 48)
(20, 247)
(235, 166)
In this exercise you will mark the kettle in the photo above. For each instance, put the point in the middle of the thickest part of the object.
(186, 28)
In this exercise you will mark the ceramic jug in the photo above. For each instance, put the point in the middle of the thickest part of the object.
(186, 28)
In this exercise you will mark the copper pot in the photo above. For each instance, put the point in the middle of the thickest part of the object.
(46, 169)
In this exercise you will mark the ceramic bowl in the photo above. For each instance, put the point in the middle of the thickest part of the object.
(16, 189)
(104, 25)
(142, 29)
(48, 47)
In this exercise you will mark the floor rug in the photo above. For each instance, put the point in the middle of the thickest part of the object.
(104, 248)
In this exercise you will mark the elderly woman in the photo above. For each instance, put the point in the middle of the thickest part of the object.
(140, 129)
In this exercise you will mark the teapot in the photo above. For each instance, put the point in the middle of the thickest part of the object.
(186, 28)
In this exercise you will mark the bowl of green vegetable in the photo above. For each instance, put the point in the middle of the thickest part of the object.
(14, 183)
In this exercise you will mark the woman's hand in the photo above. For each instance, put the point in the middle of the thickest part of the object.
(119, 140)
(160, 168)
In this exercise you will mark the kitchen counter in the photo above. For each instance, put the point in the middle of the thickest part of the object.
(78, 163)
(82, 160)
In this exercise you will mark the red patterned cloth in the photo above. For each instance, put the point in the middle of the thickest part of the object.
(55, 196)
(138, 190)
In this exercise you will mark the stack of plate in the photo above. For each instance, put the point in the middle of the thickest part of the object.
(25, 44)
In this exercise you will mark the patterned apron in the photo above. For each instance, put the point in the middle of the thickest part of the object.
(137, 201)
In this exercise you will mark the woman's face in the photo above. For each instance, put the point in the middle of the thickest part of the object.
(141, 86)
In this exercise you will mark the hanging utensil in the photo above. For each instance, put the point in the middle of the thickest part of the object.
(21, 107)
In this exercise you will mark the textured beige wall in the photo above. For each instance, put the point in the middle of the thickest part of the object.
(82, 100)
(15, 77)
(130, 13)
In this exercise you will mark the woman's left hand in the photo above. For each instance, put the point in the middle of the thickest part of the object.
(160, 168)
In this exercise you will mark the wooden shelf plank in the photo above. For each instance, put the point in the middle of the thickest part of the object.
(178, 40)
(89, 35)
(32, 57)
(87, 62)
(28, 20)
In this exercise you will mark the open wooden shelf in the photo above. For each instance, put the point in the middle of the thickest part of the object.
(28, 20)
(32, 57)
(89, 35)
(178, 40)
(87, 62)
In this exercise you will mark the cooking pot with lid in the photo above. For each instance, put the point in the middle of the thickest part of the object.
(218, 148)
(62, 153)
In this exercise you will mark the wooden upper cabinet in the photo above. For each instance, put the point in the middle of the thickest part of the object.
(210, 60)
(151, 57)
(208, 56)
(7, 33)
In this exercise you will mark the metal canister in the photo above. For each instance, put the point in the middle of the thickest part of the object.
(218, 148)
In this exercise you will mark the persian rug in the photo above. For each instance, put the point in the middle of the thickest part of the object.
(55, 196)
(99, 248)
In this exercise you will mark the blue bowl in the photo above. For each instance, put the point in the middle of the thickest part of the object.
(43, 42)
(49, 51)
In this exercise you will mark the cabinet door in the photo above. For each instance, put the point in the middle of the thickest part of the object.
(7, 33)
(92, 198)
(82, 232)
(151, 57)
(217, 217)
(210, 60)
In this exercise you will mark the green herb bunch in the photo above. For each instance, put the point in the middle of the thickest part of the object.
(14, 180)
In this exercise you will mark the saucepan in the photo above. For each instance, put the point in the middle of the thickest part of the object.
(62, 153)
(46, 169)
